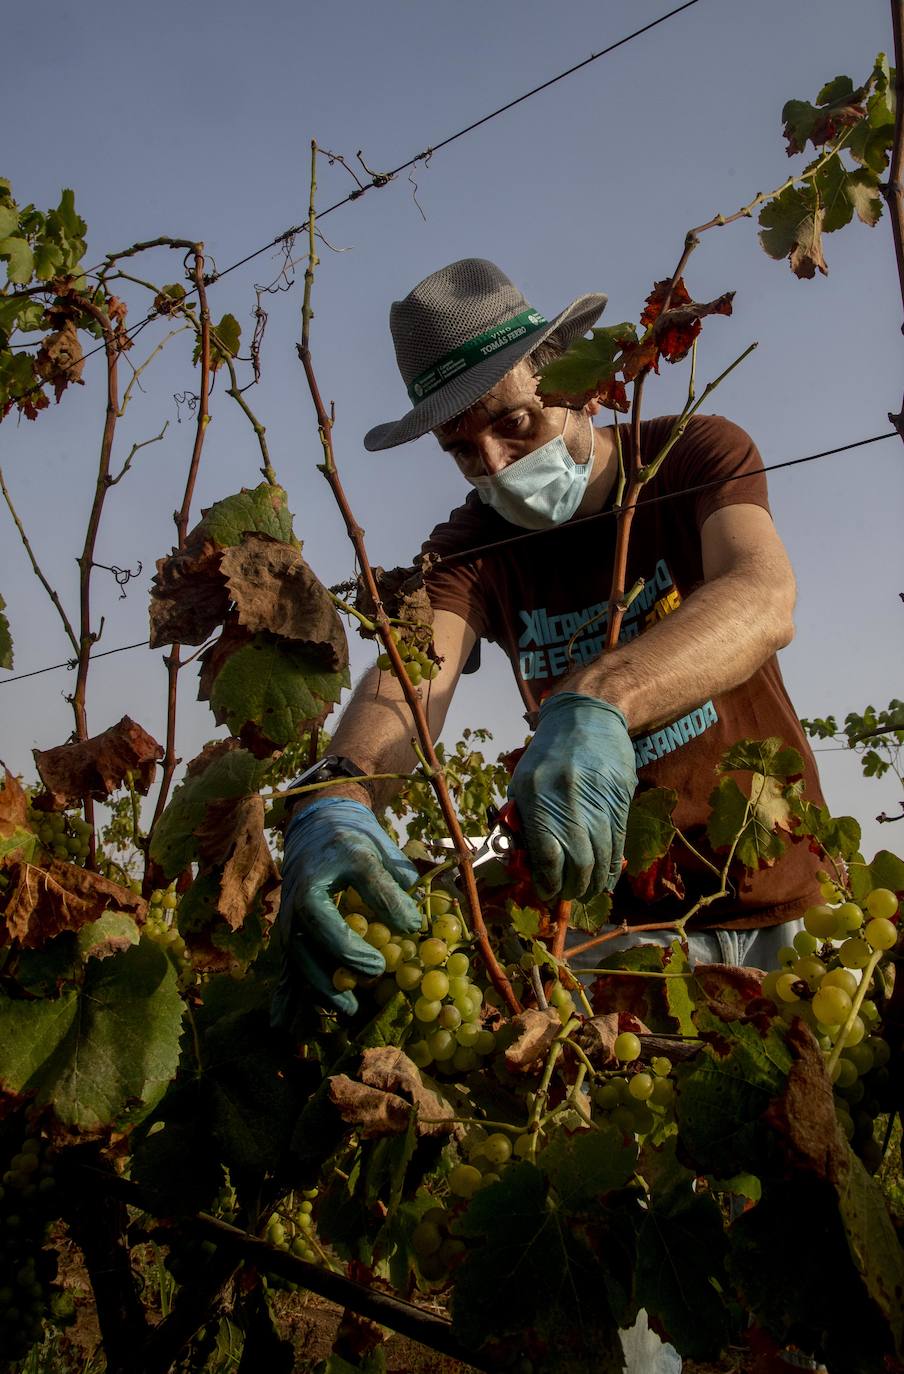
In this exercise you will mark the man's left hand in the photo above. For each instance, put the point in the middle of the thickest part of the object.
(573, 787)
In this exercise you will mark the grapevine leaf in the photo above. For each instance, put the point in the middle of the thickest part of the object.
(662, 879)
(262, 509)
(48, 260)
(274, 590)
(533, 1033)
(68, 230)
(769, 756)
(109, 934)
(642, 998)
(753, 821)
(886, 870)
(874, 1245)
(587, 366)
(723, 1093)
(831, 181)
(23, 843)
(593, 915)
(862, 190)
(678, 295)
(680, 1271)
(102, 1055)
(838, 836)
(809, 1293)
(680, 991)
(13, 804)
(231, 841)
(42, 972)
(223, 771)
(60, 359)
(98, 766)
(270, 693)
(838, 106)
(676, 329)
(802, 1114)
(38, 903)
(525, 920)
(6, 639)
(19, 258)
(388, 1091)
(224, 342)
(9, 220)
(792, 229)
(584, 1166)
(650, 827)
(531, 1277)
(727, 989)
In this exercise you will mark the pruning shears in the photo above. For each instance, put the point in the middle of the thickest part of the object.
(503, 842)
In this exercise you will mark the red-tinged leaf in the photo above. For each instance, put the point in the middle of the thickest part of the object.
(98, 766)
(31, 404)
(614, 396)
(679, 295)
(728, 989)
(639, 357)
(274, 590)
(838, 107)
(588, 366)
(661, 879)
(6, 640)
(675, 330)
(39, 903)
(223, 771)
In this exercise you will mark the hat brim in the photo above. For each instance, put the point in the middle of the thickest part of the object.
(460, 392)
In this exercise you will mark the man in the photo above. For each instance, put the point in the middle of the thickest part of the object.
(694, 671)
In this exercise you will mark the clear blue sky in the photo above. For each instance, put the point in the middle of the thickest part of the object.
(196, 121)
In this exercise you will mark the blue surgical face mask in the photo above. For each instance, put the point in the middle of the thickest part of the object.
(540, 490)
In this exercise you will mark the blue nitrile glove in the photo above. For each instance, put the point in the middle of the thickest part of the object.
(332, 844)
(573, 786)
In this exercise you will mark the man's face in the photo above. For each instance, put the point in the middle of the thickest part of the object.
(507, 424)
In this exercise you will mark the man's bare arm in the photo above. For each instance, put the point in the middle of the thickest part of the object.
(716, 639)
(376, 728)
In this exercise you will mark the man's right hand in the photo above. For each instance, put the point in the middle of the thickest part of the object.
(332, 844)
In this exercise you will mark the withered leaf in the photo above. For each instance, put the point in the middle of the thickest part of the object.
(728, 988)
(380, 1101)
(535, 1031)
(97, 766)
(59, 360)
(804, 1115)
(661, 879)
(598, 1036)
(639, 356)
(403, 597)
(13, 805)
(231, 839)
(188, 595)
(274, 590)
(653, 308)
(39, 903)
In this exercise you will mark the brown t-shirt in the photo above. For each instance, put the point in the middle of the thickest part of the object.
(540, 595)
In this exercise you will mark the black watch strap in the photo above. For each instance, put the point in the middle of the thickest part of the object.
(331, 768)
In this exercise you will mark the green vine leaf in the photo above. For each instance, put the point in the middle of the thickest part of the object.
(525, 920)
(752, 822)
(585, 1166)
(19, 258)
(593, 915)
(650, 827)
(838, 836)
(838, 106)
(269, 693)
(792, 229)
(770, 757)
(9, 220)
(224, 341)
(262, 509)
(886, 870)
(588, 367)
(6, 639)
(101, 1055)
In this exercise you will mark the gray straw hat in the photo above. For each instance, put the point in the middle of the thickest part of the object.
(458, 333)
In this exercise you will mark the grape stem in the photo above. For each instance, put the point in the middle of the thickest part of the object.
(856, 1004)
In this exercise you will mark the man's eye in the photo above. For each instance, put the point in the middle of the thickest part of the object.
(515, 424)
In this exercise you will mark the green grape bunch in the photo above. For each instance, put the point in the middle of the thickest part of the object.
(66, 835)
(416, 651)
(161, 926)
(832, 978)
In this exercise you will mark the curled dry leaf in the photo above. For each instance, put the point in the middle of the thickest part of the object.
(13, 805)
(535, 1031)
(403, 597)
(274, 590)
(189, 599)
(598, 1036)
(98, 766)
(39, 903)
(59, 360)
(804, 1115)
(231, 841)
(380, 1101)
(728, 988)
(676, 329)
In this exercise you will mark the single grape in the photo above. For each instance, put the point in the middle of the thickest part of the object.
(787, 954)
(854, 953)
(821, 921)
(785, 987)
(419, 1052)
(881, 933)
(561, 998)
(663, 1092)
(805, 943)
(433, 951)
(434, 983)
(378, 934)
(408, 976)
(485, 1043)
(810, 969)
(850, 918)
(343, 979)
(861, 1056)
(497, 1148)
(844, 1073)
(409, 950)
(437, 904)
(464, 1180)
(606, 1096)
(661, 1066)
(426, 1239)
(427, 1009)
(882, 903)
(881, 1051)
(450, 1017)
(831, 1006)
(627, 1047)
(392, 956)
(841, 978)
(447, 928)
(442, 1044)
(641, 1086)
(465, 1059)
(458, 966)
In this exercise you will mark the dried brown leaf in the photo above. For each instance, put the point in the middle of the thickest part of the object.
(274, 590)
(804, 1115)
(98, 766)
(728, 988)
(598, 1036)
(403, 597)
(380, 1101)
(231, 839)
(39, 903)
(13, 806)
(59, 360)
(188, 595)
(535, 1032)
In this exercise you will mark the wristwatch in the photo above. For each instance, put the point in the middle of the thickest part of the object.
(331, 768)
